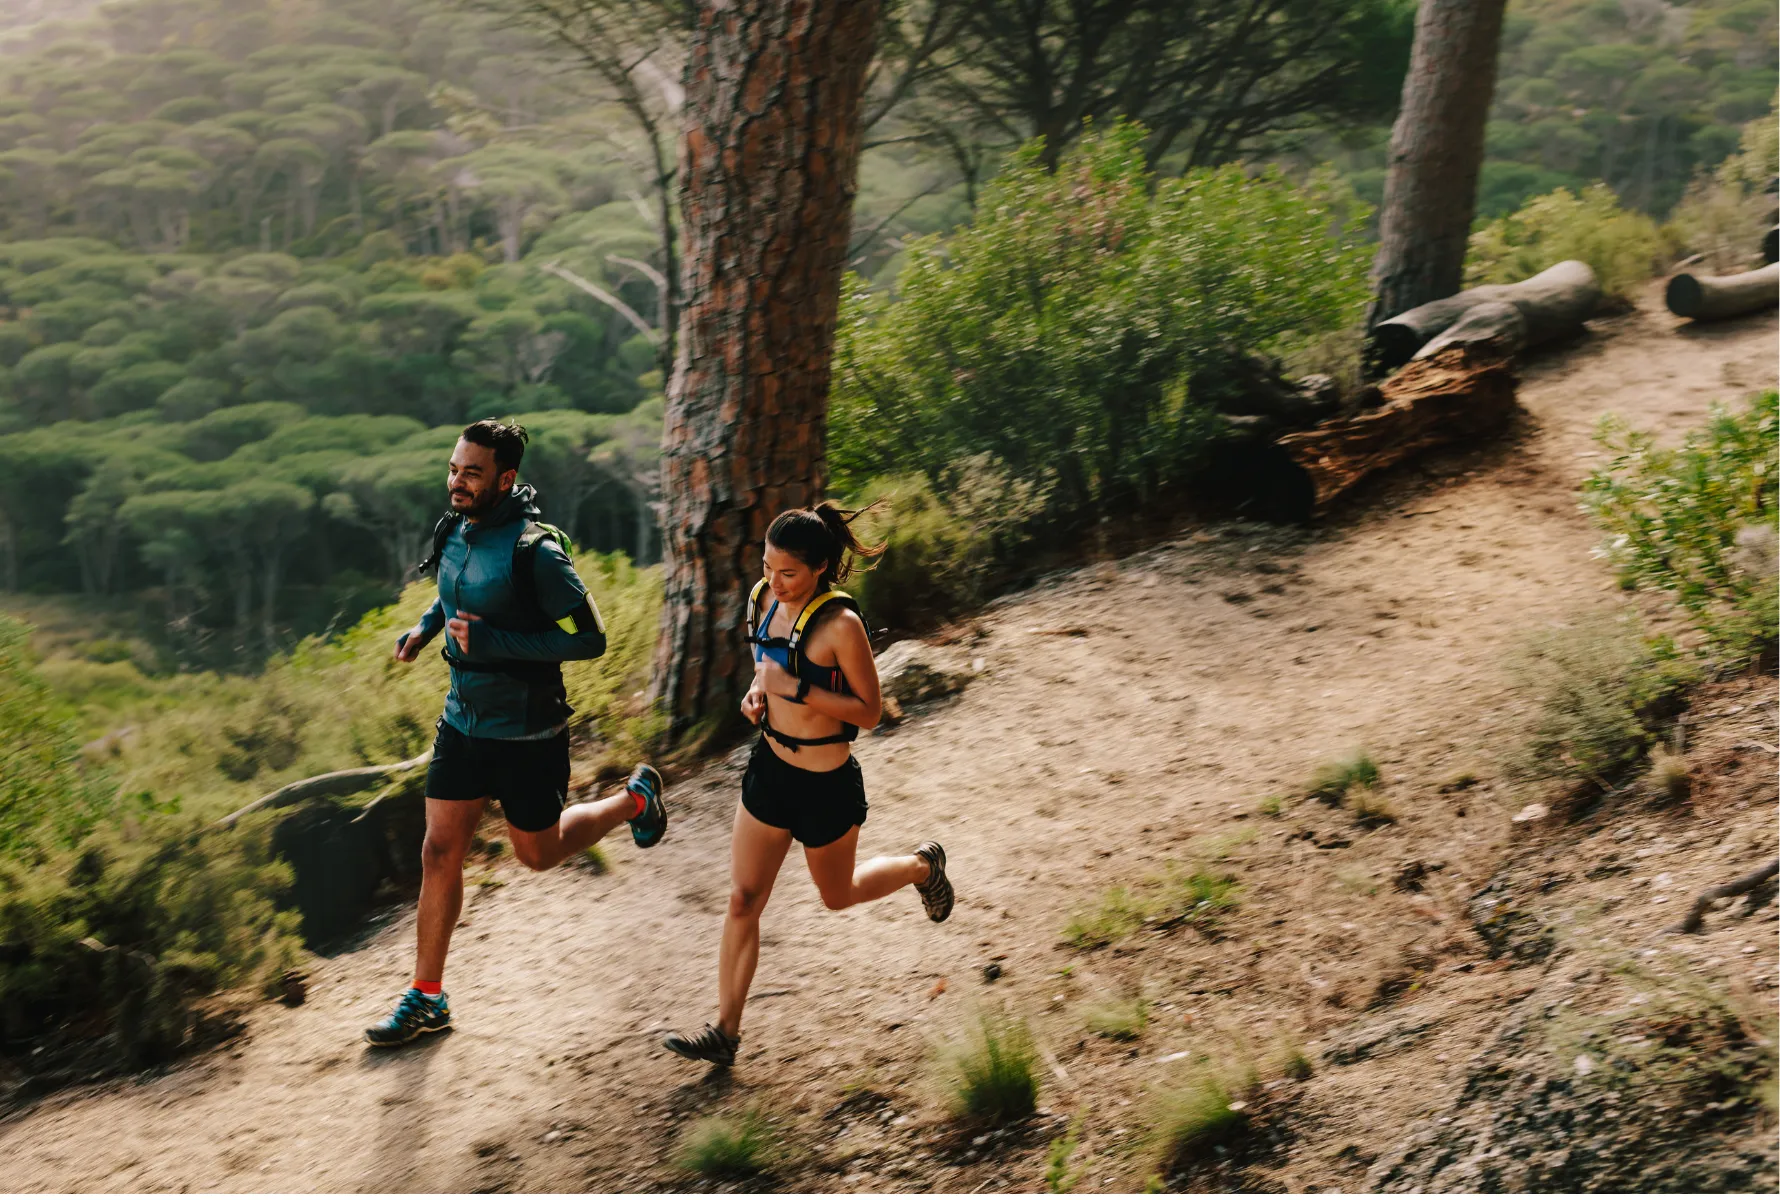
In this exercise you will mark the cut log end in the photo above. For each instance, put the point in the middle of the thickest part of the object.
(1714, 298)
(1683, 296)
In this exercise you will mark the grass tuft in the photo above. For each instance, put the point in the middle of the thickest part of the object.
(728, 1147)
(1118, 915)
(1271, 806)
(993, 1072)
(1120, 1020)
(1370, 808)
(1333, 781)
(1060, 1177)
(1191, 1119)
(1669, 774)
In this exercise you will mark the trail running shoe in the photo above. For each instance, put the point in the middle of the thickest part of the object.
(936, 893)
(647, 828)
(712, 1046)
(416, 1013)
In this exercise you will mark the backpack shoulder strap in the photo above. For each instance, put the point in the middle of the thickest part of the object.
(827, 601)
(441, 533)
(525, 553)
(754, 598)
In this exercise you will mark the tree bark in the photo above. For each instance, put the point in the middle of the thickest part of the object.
(768, 163)
(1496, 322)
(1460, 393)
(1430, 190)
(1713, 298)
(1553, 302)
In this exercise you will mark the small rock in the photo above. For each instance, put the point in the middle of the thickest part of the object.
(555, 1135)
(912, 672)
(991, 972)
(1584, 1065)
(1531, 814)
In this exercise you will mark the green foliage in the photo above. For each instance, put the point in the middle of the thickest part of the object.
(1060, 1176)
(1198, 898)
(121, 934)
(993, 1072)
(1332, 781)
(48, 797)
(1622, 247)
(1726, 211)
(1698, 521)
(1053, 362)
(728, 1147)
(1601, 692)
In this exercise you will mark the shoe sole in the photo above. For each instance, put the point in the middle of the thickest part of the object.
(661, 805)
(715, 1062)
(937, 862)
(413, 1037)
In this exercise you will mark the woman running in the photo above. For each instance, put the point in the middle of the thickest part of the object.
(815, 686)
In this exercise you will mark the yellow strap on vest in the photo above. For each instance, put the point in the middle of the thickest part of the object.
(809, 610)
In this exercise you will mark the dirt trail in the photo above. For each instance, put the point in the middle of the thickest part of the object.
(1217, 669)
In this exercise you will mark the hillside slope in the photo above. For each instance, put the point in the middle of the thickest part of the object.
(1214, 670)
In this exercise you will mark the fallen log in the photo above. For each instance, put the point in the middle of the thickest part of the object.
(1460, 393)
(334, 783)
(1494, 322)
(1713, 298)
(1770, 245)
(1553, 303)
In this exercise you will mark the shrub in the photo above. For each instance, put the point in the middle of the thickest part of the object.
(1622, 247)
(1601, 690)
(728, 1147)
(1699, 521)
(1069, 341)
(1334, 780)
(1724, 213)
(993, 1073)
(1060, 1176)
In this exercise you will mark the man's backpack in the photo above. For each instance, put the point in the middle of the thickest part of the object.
(525, 549)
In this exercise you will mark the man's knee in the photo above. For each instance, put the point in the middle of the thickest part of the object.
(441, 853)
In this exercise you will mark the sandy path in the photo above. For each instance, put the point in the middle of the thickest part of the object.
(1216, 669)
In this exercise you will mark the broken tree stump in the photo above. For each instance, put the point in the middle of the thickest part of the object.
(1553, 303)
(1458, 394)
(1713, 298)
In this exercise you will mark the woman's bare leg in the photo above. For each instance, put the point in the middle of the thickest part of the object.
(756, 853)
(843, 885)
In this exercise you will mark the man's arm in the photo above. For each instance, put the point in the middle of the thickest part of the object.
(580, 632)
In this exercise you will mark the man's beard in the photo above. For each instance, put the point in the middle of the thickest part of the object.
(480, 504)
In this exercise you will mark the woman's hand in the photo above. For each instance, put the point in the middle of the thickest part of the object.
(773, 679)
(754, 704)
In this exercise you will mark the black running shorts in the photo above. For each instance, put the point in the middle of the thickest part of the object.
(529, 778)
(818, 807)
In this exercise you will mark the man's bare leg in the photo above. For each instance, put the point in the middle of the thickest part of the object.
(580, 826)
(450, 824)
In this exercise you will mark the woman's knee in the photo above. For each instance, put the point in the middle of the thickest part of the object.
(747, 903)
(835, 899)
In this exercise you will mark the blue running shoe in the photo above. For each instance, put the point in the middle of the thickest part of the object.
(648, 827)
(416, 1013)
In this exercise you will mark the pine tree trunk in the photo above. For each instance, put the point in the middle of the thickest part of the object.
(768, 166)
(1430, 192)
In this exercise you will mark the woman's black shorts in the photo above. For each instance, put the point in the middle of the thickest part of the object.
(818, 807)
(529, 778)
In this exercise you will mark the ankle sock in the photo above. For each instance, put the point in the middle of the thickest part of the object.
(429, 987)
(642, 802)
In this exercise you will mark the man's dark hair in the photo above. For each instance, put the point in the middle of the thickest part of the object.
(506, 439)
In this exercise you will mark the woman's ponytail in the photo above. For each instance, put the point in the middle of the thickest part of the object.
(823, 534)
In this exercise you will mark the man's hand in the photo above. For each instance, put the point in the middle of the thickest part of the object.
(754, 705)
(774, 680)
(409, 644)
(458, 630)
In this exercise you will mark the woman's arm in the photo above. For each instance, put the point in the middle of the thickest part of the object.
(853, 652)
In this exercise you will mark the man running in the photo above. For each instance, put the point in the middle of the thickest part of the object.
(513, 611)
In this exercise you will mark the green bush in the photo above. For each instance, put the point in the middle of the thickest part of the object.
(1334, 780)
(109, 944)
(728, 1147)
(1724, 213)
(1699, 521)
(1622, 247)
(48, 798)
(1601, 694)
(1065, 348)
(993, 1074)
